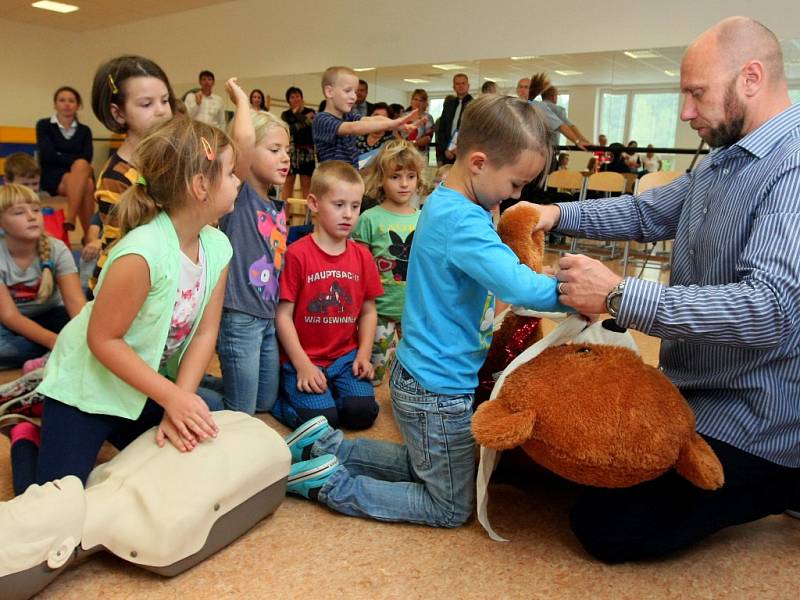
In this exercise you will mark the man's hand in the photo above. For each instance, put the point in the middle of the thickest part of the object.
(549, 215)
(198, 97)
(584, 283)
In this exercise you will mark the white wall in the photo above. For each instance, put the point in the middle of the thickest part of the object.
(260, 41)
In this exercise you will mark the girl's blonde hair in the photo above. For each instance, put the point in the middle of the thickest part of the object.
(264, 121)
(168, 158)
(12, 194)
(502, 127)
(393, 156)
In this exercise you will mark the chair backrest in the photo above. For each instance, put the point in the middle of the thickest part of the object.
(606, 181)
(657, 179)
(565, 180)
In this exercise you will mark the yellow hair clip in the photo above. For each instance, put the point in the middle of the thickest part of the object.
(208, 149)
(114, 88)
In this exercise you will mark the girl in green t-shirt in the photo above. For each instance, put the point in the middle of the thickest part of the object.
(392, 179)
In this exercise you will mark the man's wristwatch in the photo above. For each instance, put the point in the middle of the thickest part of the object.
(614, 299)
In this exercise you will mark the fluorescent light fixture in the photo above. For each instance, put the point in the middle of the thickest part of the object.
(58, 7)
(412, 80)
(362, 69)
(670, 73)
(495, 79)
(567, 72)
(639, 54)
(449, 67)
(522, 57)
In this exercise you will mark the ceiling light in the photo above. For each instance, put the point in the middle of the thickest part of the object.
(362, 69)
(639, 54)
(449, 67)
(58, 7)
(567, 72)
(522, 57)
(670, 73)
(412, 80)
(495, 79)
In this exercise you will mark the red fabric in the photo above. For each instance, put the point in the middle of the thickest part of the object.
(26, 431)
(328, 293)
(54, 224)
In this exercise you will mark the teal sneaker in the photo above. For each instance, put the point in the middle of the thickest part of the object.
(308, 476)
(302, 438)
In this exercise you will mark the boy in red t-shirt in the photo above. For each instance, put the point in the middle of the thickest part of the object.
(326, 318)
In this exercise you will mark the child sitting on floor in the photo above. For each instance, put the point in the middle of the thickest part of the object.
(387, 230)
(457, 265)
(39, 286)
(132, 359)
(326, 317)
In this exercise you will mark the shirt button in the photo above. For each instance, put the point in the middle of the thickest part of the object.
(691, 252)
(705, 210)
(724, 171)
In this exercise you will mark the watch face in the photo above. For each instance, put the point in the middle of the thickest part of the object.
(615, 301)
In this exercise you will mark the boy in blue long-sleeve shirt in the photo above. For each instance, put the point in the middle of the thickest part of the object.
(457, 265)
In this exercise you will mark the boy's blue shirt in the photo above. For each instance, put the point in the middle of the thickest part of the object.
(458, 264)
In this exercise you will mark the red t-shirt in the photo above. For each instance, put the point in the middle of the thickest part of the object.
(327, 292)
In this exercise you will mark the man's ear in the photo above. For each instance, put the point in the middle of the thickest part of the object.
(476, 161)
(116, 113)
(753, 77)
(199, 187)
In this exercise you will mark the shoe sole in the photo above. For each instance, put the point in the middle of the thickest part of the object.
(314, 473)
(306, 428)
(21, 386)
(795, 514)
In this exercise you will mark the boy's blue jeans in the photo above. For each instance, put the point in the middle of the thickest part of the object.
(430, 480)
(248, 356)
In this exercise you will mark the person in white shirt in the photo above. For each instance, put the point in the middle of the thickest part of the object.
(205, 106)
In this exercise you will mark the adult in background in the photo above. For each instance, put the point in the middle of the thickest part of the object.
(259, 101)
(730, 316)
(489, 87)
(65, 153)
(421, 136)
(550, 99)
(376, 139)
(450, 120)
(298, 117)
(204, 105)
(523, 86)
(361, 106)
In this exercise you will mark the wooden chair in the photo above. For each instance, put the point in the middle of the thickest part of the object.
(297, 211)
(569, 182)
(645, 183)
(609, 184)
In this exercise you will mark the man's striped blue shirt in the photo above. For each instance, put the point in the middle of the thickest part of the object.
(730, 317)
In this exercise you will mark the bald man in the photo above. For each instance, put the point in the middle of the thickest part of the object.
(729, 319)
(523, 85)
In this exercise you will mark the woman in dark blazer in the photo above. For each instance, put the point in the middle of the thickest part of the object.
(65, 155)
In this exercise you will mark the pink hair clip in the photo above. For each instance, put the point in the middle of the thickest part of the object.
(208, 149)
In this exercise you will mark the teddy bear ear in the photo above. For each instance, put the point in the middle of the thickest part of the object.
(698, 463)
(495, 426)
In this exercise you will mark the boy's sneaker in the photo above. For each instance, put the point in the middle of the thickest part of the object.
(8, 422)
(19, 387)
(307, 477)
(302, 438)
(34, 363)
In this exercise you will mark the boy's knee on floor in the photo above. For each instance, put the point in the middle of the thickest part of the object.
(331, 414)
(595, 536)
(358, 412)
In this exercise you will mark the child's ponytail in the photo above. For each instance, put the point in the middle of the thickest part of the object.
(136, 207)
(44, 248)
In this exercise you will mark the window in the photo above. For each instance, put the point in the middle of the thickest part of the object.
(794, 95)
(647, 117)
(653, 119)
(613, 113)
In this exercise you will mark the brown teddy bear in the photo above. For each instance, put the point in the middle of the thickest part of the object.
(595, 414)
